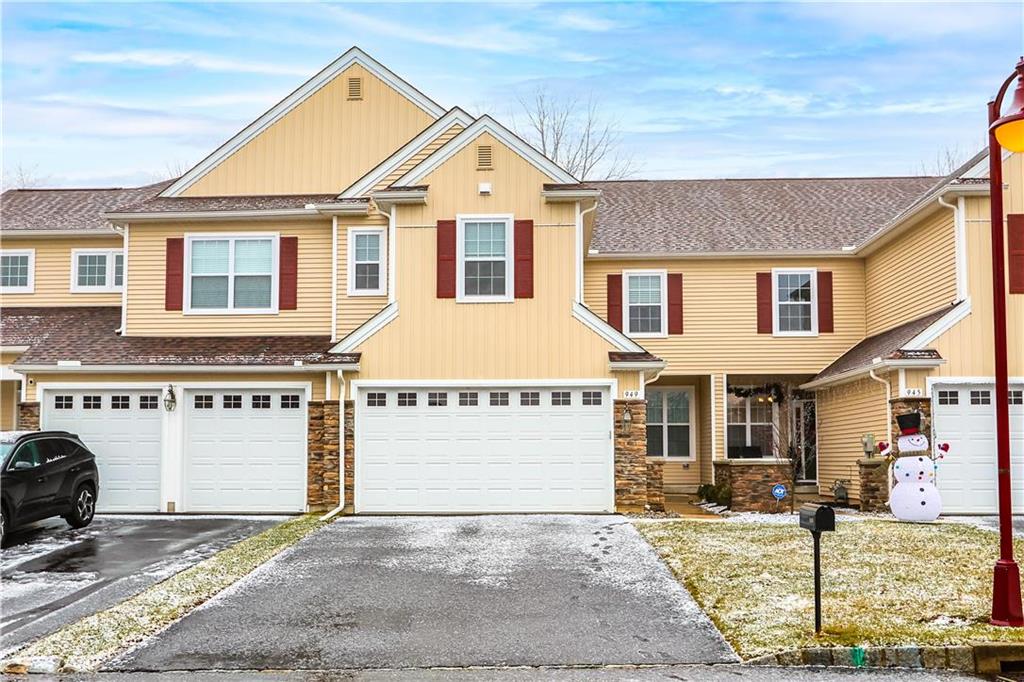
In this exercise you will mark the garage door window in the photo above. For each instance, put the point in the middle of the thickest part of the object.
(561, 398)
(148, 402)
(120, 402)
(261, 402)
(203, 402)
(949, 397)
(468, 399)
(407, 400)
(437, 399)
(981, 398)
(529, 398)
(591, 397)
(290, 402)
(499, 399)
(232, 402)
(64, 402)
(376, 399)
(1017, 397)
(92, 402)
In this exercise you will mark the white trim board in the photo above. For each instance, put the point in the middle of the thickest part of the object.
(940, 326)
(353, 56)
(605, 330)
(367, 329)
(364, 184)
(486, 124)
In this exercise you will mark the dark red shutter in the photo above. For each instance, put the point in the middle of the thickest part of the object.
(524, 258)
(675, 303)
(1015, 249)
(288, 274)
(826, 318)
(446, 259)
(764, 303)
(615, 301)
(174, 279)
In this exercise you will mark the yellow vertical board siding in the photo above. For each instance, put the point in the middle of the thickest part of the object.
(719, 415)
(8, 358)
(8, 405)
(912, 275)
(270, 379)
(355, 310)
(705, 434)
(322, 145)
(53, 271)
(535, 338)
(720, 315)
(967, 346)
(845, 413)
(627, 381)
(147, 266)
(414, 160)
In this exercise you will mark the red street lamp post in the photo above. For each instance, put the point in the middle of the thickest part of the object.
(1006, 131)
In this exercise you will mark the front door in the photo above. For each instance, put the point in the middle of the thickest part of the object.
(805, 439)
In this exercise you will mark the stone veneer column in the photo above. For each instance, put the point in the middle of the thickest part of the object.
(315, 456)
(751, 481)
(28, 417)
(331, 444)
(350, 455)
(655, 485)
(874, 484)
(630, 456)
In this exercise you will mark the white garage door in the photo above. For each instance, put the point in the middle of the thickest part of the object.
(122, 428)
(502, 449)
(964, 417)
(245, 450)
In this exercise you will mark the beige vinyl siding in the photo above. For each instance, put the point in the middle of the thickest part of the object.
(912, 275)
(53, 271)
(147, 271)
(720, 315)
(434, 145)
(967, 347)
(355, 310)
(322, 145)
(705, 435)
(317, 379)
(535, 338)
(845, 413)
(8, 405)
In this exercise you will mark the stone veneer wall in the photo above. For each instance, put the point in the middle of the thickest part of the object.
(874, 484)
(350, 455)
(28, 417)
(655, 485)
(751, 482)
(630, 457)
(322, 480)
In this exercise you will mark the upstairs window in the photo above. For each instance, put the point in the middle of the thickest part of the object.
(17, 271)
(794, 302)
(485, 259)
(232, 274)
(645, 302)
(97, 270)
(366, 262)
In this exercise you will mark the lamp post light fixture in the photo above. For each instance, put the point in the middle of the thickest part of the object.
(1004, 132)
(170, 400)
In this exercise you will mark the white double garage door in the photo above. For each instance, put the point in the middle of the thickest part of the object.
(964, 416)
(220, 450)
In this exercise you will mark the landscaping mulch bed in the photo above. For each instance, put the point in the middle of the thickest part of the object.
(884, 583)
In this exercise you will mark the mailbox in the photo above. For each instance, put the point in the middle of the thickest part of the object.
(817, 518)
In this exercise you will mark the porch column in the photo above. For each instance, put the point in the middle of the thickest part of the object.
(719, 383)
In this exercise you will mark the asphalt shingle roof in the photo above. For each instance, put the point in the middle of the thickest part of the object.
(68, 209)
(273, 202)
(711, 216)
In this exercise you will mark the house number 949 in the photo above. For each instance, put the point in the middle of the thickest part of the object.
(630, 394)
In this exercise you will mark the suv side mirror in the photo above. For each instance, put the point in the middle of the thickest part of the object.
(21, 465)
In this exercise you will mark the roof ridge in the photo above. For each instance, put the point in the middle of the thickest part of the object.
(808, 179)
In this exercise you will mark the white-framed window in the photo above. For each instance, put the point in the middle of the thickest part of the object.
(17, 271)
(97, 270)
(227, 273)
(367, 262)
(645, 303)
(671, 417)
(750, 422)
(484, 255)
(795, 302)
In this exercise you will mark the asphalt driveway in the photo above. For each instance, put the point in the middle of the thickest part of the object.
(418, 592)
(53, 575)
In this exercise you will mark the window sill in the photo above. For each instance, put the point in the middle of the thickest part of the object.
(229, 311)
(16, 290)
(642, 335)
(97, 290)
(366, 292)
(667, 458)
(797, 334)
(485, 299)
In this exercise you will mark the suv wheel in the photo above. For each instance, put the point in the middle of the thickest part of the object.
(83, 508)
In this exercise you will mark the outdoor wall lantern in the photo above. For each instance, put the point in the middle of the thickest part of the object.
(626, 422)
(170, 400)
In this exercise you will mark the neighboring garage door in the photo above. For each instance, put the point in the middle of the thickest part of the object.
(122, 428)
(964, 417)
(245, 450)
(502, 449)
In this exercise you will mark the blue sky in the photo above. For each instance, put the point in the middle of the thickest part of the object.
(118, 94)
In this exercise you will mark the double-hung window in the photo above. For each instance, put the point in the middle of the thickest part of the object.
(17, 271)
(231, 274)
(670, 417)
(644, 302)
(97, 270)
(794, 302)
(366, 259)
(485, 258)
(751, 427)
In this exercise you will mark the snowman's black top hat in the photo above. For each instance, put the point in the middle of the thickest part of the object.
(909, 423)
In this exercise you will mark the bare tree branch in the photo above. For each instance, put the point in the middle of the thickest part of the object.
(23, 177)
(175, 169)
(573, 133)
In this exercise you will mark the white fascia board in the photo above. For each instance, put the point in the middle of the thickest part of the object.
(656, 255)
(367, 329)
(189, 369)
(13, 349)
(385, 197)
(279, 110)
(939, 326)
(14, 234)
(339, 209)
(858, 372)
(486, 124)
(170, 216)
(605, 330)
(364, 184)
(625, 366)
(556, 195)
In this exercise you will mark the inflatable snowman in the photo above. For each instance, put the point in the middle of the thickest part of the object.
(914, 496)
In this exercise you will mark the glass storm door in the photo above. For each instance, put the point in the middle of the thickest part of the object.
(805, 439)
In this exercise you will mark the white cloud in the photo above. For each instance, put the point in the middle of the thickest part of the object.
(195, 60)
(578, 21)
(901, 21)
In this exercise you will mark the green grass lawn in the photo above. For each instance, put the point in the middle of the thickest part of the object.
(883, 582)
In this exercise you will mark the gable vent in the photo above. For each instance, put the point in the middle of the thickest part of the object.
(484, 160)
(355, 88)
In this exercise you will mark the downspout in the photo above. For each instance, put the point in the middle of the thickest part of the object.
(960, 243)
(124, 278)
(888, 420)
(579, 248)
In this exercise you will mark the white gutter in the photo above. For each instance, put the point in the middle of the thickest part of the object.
(13, 349)
(192, 368)
(14, 234)
(555, 195)
(653, 365)
(878, 363)
(339, 209)
(597, 255)
(164, 216)
(418, 196)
